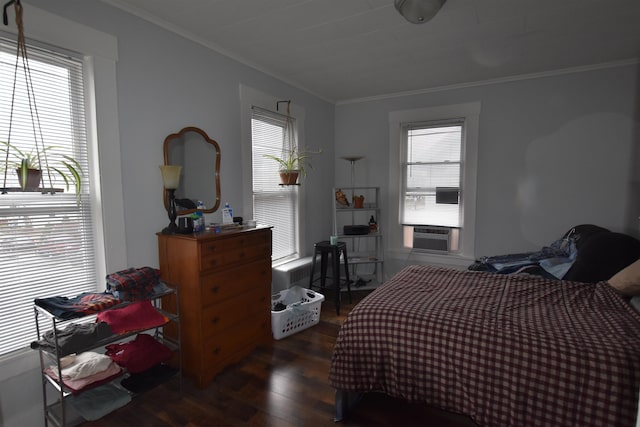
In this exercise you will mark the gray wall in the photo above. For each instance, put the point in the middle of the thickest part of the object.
(165, 83)
(554, 152)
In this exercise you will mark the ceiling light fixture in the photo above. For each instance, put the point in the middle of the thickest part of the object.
(418, 11)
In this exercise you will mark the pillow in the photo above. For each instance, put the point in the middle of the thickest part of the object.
(635, 302)
(602, 255)
(627, 280)
(582, 233)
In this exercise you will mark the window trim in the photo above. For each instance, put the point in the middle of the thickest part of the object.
(406, 163)
(250, 97)
(471, 114)
(100, 53)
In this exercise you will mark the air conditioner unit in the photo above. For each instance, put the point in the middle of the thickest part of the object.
(291, 274)
(430, 238)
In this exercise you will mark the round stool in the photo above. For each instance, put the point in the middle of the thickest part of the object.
(326, 249)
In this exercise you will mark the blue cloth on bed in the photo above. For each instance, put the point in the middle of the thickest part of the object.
(555, 259)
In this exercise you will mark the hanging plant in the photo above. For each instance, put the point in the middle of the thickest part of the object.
(293, 162)
(27, 165)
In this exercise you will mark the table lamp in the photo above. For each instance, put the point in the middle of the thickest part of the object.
(171, 180)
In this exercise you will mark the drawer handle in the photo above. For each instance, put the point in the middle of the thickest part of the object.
(215, 289)
(213, 263)
(215, 320)
(216, 350)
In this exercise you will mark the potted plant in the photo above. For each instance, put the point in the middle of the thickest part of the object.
(293, 164)
(29, 171)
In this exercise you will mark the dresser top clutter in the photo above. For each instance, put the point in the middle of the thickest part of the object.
(225, 231)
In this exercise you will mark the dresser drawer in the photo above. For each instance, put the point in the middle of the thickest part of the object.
(235, 342)
(220, 286)
(231, 256)
(217, 253)
(225, 316)
(250, 239)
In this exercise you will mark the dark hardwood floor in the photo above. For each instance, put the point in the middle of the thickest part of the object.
(284, 384)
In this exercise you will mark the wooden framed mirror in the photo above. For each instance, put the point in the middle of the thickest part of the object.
(199, 157)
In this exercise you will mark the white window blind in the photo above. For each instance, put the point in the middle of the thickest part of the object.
(432, 179)
(273, 204)
(46, 241)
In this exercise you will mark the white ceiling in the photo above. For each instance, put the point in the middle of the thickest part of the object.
(343, 50)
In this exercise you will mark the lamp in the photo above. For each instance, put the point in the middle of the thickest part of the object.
(171, 180)
(418, 11)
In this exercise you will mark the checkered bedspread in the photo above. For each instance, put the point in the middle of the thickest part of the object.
(507, 350)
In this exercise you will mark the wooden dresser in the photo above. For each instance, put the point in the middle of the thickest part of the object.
(224, 283)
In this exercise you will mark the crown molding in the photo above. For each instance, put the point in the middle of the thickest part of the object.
(519, 77)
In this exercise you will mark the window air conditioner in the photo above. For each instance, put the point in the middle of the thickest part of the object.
(431, 238)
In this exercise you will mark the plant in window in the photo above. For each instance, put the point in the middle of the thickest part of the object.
(28, 168)
(27, 164)
(293, 163)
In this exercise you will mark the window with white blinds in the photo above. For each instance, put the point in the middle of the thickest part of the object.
(46, 241)
(432, 174)
(273, 204)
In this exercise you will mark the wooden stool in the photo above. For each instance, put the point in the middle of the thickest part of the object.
(325, 248)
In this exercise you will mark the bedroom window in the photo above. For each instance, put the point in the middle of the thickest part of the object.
(47, 241)
(433, 167)
(432, 174)
(273, 204)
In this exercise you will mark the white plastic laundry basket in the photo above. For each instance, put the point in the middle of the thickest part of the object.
(302, 311)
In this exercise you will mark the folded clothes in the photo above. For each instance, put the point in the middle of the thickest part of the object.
(84, 364)
(76, 385)
(82, 305)
(133, 317)
(137, 294)
(148, 379)
(73, 339)
(95, 403)
(140, 354)
(133, 278)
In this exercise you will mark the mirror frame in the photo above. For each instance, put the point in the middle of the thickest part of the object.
(165, 148)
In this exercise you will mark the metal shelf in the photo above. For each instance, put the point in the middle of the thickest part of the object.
(57, 412)
(365, 251)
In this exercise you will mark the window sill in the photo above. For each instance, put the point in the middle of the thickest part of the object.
(288, 260)
(17, 363)
(453, 260)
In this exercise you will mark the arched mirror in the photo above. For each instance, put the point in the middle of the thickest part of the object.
(199, 157)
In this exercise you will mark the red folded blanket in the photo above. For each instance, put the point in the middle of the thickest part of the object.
(134, 317)
(140, 354)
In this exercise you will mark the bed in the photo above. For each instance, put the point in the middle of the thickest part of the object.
(506, 350)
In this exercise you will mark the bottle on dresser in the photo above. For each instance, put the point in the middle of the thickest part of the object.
(227, 214)
(198, 218)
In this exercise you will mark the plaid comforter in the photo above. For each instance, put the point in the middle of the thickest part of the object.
(507, 350)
